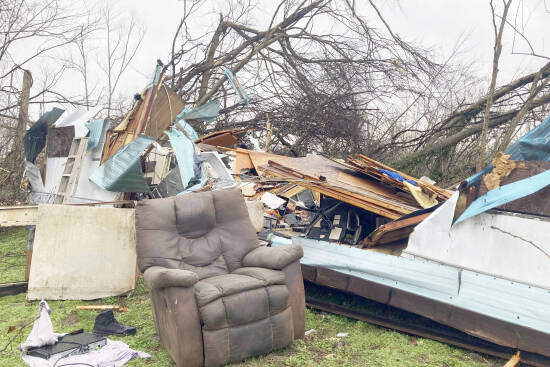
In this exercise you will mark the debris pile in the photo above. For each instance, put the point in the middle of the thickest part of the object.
(365, 227)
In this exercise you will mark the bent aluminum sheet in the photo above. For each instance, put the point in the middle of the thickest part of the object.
(122, 172)
(491, 297)
(502, 244)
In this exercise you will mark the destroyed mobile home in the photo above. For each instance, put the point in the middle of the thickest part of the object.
(474, 258)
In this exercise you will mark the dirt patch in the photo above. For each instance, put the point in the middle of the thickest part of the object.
(71, 319)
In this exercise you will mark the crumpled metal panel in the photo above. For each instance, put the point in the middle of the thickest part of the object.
(506, 245)
(206, 112)
(122, 172)
(184, 149)
(496, 298)
(35, 138)
(96, 128)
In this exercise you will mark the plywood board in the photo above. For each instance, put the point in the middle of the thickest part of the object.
(166, 106)
(59, 140)
(82, 252)
(243, 161)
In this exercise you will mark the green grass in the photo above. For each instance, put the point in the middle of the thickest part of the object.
(365, 345)
(13, 245)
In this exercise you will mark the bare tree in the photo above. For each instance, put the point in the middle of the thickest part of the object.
(496, 56)
(32, 33)
(123, 37)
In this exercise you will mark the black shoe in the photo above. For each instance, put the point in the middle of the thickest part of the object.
(106, 324)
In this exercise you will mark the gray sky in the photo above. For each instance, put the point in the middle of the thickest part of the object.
(441, 25)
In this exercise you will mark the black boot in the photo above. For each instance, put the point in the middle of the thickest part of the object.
(106, 324)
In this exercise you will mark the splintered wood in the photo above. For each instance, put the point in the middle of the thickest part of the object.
(360, 182)
(372, 168)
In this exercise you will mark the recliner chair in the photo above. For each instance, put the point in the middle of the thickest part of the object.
(217, 295)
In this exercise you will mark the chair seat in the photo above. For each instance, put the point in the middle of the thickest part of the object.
(247, 295)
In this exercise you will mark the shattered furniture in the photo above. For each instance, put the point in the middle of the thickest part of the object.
(217, 296)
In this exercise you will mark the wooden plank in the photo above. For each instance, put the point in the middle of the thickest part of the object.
(393, 231)
(10, 289)
(514, 361)
(28, 260)
(353, 193)
(342, 196)
(17, 216)
(367, 162)
(99, 307)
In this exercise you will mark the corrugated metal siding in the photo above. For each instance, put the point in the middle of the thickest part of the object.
(512, 302)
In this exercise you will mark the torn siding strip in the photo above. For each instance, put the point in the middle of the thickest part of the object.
(122, 172)
(96, 128)
(184, 149)
(206, 112)
(505, 194)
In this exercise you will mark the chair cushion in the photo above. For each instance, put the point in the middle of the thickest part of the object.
(238, 299)
(210, 289)
(267, 276)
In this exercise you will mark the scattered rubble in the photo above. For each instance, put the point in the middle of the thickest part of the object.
(416, 246)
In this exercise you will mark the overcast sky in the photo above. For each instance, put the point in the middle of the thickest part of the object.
(438, 24)
(441, 25)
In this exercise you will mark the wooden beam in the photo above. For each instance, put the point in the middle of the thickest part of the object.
(18, 216)
(514, 361)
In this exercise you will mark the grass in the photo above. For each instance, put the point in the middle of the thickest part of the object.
(13, 244)
(364, 345)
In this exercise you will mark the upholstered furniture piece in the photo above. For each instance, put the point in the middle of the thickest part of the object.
(217, 295)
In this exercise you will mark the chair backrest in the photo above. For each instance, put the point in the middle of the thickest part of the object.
(208, 233)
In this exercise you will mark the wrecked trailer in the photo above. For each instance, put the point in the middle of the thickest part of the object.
(359, 202)
(477, 262)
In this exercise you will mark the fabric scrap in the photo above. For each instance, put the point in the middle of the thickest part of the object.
(42, 331)
(113, 354)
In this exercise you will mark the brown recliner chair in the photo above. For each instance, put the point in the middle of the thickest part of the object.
(217, 296)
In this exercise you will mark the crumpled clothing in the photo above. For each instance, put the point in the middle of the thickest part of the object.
(114, 354)
(42, 330)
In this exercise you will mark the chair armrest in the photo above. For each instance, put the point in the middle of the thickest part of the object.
(157, 277)
(273, 257)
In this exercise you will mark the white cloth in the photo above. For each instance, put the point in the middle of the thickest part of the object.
(42, 330)
(114, 354)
